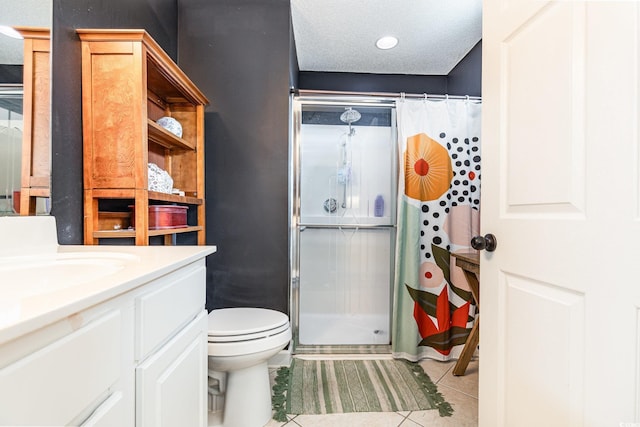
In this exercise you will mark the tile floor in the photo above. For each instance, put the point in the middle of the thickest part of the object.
(460, 392)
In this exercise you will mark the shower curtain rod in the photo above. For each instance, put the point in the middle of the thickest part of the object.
(307, 92)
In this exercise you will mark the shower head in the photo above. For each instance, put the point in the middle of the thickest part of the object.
(350, 116)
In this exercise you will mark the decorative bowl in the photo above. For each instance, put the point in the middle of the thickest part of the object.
(171, 124)
(159, 179)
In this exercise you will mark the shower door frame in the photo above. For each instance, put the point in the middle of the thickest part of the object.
(295, 123)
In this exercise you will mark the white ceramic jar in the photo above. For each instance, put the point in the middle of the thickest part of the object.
(171, 124)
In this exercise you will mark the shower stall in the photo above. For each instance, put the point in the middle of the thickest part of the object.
(343, 198)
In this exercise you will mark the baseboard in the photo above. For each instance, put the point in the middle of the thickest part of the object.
(283, 358)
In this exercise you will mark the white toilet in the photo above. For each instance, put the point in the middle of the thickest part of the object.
(241, 341)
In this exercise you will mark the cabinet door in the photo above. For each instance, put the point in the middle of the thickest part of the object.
(171, 383)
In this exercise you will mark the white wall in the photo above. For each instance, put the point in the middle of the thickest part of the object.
(371, 153)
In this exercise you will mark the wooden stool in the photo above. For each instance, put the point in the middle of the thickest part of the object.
(470, 264)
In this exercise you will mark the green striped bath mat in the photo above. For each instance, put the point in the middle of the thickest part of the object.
(338, 386)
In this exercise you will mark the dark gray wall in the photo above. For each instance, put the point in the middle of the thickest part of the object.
(237, 52)
(466, 77)
(10, 74)
(294, 70)
(363, 82)
(159, 18)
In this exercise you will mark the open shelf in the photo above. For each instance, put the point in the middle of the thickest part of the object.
(173, 198)
(121, 234)
(166, 139)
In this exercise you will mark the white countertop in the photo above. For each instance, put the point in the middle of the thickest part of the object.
(21, 314)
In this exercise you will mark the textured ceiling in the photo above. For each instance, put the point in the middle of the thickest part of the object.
(340, 35)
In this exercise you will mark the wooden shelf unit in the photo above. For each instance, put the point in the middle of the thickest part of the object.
(35, 176)
(129, 82)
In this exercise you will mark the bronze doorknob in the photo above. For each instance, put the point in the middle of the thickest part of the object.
(487, 242)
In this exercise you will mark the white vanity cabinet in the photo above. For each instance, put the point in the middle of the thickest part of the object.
(171, 347)
(136, 359)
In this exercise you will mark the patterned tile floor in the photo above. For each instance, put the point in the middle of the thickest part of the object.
(460, 392)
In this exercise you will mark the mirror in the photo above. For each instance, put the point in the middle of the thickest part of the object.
(25, 107)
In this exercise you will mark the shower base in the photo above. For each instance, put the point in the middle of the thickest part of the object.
(343, 330)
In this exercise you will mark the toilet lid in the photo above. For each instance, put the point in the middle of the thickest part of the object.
(240, 322)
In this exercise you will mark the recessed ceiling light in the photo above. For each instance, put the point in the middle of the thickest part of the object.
(8, 31)
(386, 42)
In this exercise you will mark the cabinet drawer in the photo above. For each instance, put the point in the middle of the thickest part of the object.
(110, 413)
(62, 380)
(175, 300)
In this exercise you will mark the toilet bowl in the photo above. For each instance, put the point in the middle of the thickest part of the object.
(241, 341)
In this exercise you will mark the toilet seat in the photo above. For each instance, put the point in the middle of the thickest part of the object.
(245, 324)
(238, 331)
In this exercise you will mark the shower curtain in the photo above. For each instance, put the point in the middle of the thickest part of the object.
(438, 214)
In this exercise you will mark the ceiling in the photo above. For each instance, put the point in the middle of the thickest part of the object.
(340, 35)
(26, 13)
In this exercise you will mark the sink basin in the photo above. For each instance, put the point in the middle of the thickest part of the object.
(26, 276)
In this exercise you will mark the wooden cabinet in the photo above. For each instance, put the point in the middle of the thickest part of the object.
(36, 137)
(128, 83)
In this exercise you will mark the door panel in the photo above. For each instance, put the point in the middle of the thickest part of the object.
(551, 317)
(540, 138)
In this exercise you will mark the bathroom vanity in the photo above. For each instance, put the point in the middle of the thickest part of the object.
(100, 335)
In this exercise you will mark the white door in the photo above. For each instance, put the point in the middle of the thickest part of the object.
(560, 323)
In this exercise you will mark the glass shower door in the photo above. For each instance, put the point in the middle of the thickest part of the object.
(347, 181)
(345, 286)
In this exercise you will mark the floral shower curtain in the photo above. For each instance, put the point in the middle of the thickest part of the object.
(438, 214)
